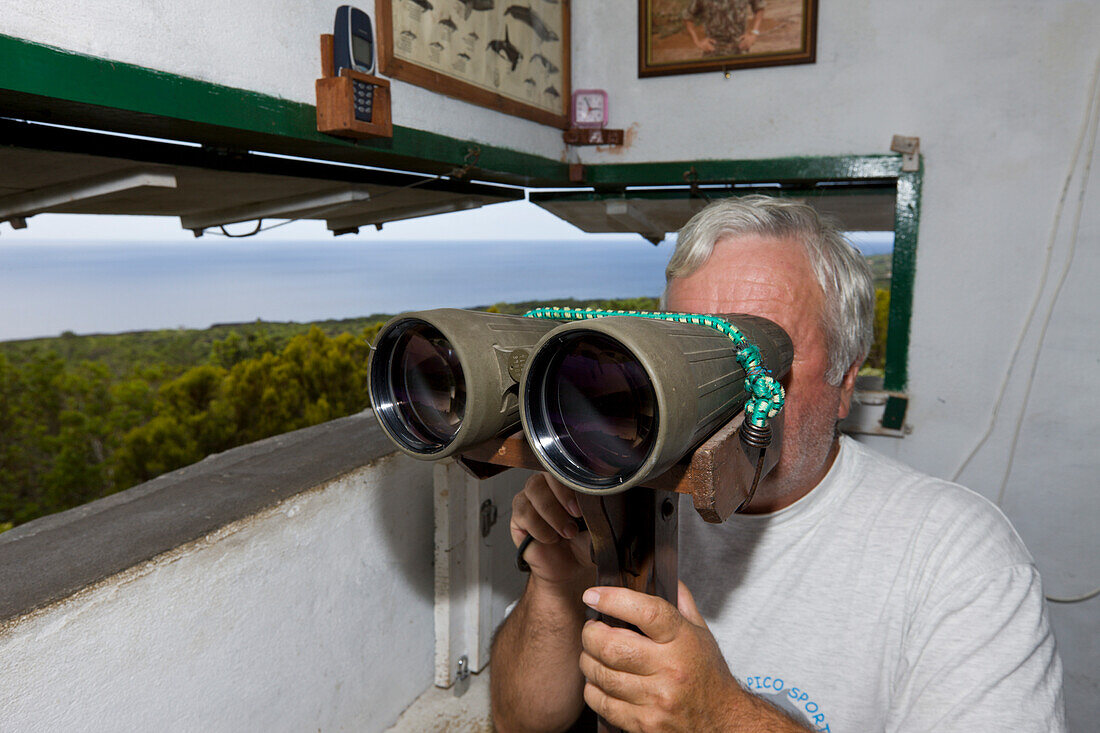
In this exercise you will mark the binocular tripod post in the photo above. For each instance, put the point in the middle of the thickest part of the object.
(635, 532)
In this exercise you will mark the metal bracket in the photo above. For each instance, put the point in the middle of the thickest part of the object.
(877, 412)
(292, 207)
(469, 162)
(909, 147)
(462, 676)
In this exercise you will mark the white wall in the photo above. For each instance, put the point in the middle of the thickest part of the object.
(997, 93)
(267, 46)
(315, 615)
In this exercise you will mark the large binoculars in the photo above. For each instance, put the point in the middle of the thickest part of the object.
(605, 404)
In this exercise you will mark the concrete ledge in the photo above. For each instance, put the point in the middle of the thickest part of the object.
(56, 556)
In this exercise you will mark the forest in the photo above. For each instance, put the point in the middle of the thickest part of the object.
(82, 417)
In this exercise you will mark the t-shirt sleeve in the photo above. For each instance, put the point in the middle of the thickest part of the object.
(758, 5)
(980, 656)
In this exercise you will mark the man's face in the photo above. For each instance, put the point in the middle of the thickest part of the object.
(773, 278)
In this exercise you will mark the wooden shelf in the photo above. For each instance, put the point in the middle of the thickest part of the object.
(717, 475)
(592, 136)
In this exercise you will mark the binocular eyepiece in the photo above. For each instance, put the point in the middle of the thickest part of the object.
(605, 403)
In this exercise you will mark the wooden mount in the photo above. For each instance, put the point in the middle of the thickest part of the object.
(336, 100)
(592, 136)
(717, 475)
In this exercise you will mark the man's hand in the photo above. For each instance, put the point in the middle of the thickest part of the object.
(672, 679)
(546, 509)
(745, 44)
(700, 38)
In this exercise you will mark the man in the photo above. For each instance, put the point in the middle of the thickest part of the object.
(724, 27)
(855, 594)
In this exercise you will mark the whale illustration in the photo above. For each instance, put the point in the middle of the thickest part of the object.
(505, 49)
(550, 68)
(472, 5)
(530, 17)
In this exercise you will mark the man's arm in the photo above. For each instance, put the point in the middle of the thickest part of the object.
(536, 684)
(753, 32)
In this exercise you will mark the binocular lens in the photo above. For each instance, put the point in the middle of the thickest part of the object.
(594, 409)
(425, 387)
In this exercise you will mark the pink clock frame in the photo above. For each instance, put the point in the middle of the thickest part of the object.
(573, 109)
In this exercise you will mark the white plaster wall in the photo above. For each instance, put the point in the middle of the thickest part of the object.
(996, 91)
(315, 615)
(267, 46)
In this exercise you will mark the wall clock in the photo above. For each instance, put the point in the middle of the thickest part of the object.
(589, 108)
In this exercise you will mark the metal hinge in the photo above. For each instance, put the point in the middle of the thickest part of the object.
(462, 676)
(488, 516)
(909, 147)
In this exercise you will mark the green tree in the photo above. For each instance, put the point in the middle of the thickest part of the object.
(78, 450)
(234, 348)
(876, 358)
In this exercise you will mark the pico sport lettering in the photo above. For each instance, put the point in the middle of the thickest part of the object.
(790, 697)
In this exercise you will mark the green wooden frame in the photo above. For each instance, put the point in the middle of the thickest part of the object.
(796, 177)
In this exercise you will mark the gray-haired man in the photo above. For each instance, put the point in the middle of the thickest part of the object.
(855, 594)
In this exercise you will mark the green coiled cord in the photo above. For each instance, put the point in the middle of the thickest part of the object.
(766, 394)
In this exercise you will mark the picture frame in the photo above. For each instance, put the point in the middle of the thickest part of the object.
(510, 57)
(696, 36)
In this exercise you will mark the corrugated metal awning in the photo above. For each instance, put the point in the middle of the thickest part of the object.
(47, 169)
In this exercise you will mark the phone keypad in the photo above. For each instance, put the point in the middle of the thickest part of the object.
(364, 100)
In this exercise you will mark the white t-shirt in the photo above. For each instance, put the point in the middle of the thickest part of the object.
(883, 600)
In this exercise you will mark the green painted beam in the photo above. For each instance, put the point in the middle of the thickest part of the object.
(672, 194)
(827, 168)
(76, 88)
(903, 272)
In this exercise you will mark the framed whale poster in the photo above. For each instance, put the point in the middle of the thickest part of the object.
(508, 55)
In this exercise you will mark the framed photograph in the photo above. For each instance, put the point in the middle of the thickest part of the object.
(505, 55)
(692, 36)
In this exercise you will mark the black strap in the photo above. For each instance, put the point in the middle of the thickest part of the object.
(522, 564)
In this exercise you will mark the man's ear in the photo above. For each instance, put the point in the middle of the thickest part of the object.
(847, 388)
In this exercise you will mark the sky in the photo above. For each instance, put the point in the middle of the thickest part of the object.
(516, 220)
(511, 220)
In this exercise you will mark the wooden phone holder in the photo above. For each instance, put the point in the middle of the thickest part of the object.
(336, 100)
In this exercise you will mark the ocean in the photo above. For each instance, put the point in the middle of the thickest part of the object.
(104, 287)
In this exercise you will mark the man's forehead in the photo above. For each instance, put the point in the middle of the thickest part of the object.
(748, 271)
